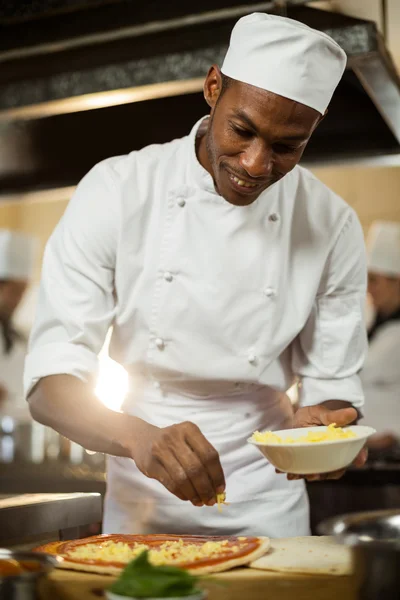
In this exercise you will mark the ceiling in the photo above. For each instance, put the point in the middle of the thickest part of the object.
(13, 11)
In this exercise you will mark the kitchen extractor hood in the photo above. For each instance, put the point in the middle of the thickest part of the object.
(75, 91)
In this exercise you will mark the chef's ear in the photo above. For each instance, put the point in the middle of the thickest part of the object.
(212, 86)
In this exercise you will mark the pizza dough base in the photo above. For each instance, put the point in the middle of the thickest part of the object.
(216, 568)
(316, 555)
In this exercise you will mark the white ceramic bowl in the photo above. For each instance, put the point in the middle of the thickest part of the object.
(308, 458)
(200, 596)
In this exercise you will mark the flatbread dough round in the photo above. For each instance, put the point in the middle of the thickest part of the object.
(306, 555)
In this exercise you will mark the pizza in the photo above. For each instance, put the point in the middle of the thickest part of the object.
(109, 554)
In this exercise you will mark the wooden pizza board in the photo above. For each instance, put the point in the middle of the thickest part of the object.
(236, 585)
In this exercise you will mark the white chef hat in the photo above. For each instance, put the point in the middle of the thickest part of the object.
(383, 248)
(285, 57)
(16, 255)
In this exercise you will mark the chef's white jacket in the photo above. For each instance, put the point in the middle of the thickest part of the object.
(381, 380)
(215, 309)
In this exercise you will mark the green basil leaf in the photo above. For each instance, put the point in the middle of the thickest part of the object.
(141, 579)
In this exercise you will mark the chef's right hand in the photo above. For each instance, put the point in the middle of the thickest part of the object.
(182, 460)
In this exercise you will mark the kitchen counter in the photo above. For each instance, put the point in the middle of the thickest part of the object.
(30, 519)
(57, 477)
(234, 585)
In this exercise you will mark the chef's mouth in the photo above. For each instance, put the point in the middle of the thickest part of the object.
(244, 186)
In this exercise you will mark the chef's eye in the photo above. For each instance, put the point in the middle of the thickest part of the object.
(284, 148)
(244, 133)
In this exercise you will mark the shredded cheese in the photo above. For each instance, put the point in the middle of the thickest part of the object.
(171, 552)
(221, 500)
(330, 433)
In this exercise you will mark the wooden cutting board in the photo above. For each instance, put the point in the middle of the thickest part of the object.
(236, 585)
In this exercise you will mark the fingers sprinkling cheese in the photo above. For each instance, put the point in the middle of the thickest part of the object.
(221, 499)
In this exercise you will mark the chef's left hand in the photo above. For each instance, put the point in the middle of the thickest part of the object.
(322, 414)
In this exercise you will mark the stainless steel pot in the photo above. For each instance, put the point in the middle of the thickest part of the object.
(25, 585)
(375, 541)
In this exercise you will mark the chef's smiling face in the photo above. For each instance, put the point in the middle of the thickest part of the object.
(254, 137)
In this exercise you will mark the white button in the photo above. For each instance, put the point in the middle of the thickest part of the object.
(269, 292)
(274, 217)
(160, 343)
(168, 276)
(181, 202)
(252, 358)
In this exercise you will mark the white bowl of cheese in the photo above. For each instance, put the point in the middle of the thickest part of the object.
(312, 450)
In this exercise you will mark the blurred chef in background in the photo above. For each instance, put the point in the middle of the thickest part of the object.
(381, 373)
(16, 268)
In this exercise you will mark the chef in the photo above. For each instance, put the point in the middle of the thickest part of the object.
(16, 268)
(381, 373)
(226, 272)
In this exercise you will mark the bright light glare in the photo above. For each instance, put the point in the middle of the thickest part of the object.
(112, 382)
(293, 393)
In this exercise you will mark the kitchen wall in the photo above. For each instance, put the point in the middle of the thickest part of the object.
(373, 192)
(35, 214)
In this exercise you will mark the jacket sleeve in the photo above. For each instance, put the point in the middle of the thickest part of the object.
(330, 350)
(76, 299)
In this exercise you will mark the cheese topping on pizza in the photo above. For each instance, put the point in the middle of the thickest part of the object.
(109, 554)
(170, 552)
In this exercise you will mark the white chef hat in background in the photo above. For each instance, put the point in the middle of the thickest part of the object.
(383, 248)
(17, 255)
(285, 57)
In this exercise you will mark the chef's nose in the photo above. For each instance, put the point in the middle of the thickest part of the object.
(256, 160)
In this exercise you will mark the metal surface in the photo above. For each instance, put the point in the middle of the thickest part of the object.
(155, 54)
(118, 97)
(122, 19)
(375, 541)
(25, 585)
(23, 517)
(374, 528)
(124, 33)
(378, 76)
(135, 82)
(376, 486)
(24, 10)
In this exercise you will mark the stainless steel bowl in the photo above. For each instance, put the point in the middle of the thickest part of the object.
(24, 586)
(375, 541)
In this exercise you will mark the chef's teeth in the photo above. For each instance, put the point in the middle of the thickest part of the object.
(243, 183)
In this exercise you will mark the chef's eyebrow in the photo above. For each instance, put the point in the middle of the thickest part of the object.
(240, 114)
